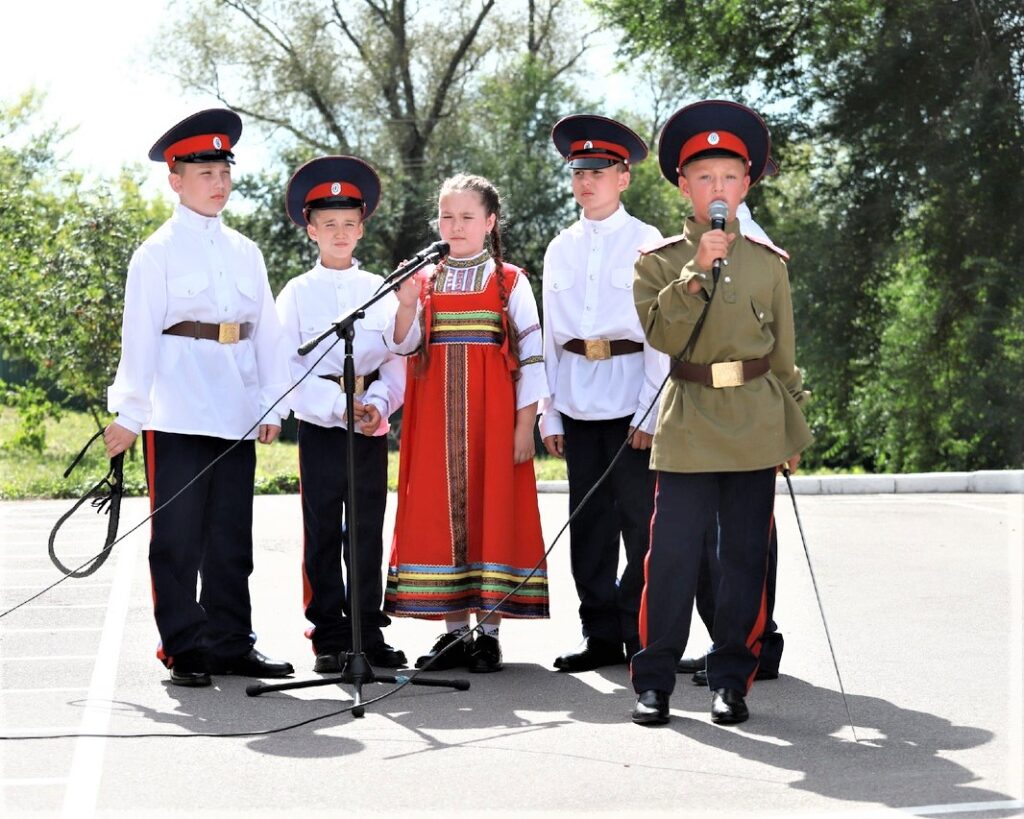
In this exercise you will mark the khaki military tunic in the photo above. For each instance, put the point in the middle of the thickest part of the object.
(729, 429)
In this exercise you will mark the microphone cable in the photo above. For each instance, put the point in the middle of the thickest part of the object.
(402, 681)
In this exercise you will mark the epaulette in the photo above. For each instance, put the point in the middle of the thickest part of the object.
(669, 240)
(765, 243)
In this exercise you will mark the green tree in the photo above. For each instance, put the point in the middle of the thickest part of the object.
(907, 120)
(416, 92)
(64, 252)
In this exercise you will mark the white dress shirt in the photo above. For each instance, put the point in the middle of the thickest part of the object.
(531, 386)
(194, 268)
(311, 303)
(588, 294)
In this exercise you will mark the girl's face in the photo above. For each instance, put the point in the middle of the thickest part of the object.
(463, 222)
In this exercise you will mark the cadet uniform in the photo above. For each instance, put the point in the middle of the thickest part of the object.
(728, 418)
(603, 377)
(307, 305)
(201, 361)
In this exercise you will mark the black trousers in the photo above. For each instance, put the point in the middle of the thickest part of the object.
(686, 505)
(323, 472)
(206, 533)
(621, 507)
(710, 575)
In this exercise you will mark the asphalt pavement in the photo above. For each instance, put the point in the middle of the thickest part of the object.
(922, 592)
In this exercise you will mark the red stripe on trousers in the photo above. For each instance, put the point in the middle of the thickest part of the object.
(642, 624)
(754, 637)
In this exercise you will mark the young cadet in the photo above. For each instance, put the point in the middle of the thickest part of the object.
(201, 360)
(729, 416)
(707, 582)
(331, 197)
(603, 377)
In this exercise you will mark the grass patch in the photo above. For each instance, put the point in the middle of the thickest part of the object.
(28, 474)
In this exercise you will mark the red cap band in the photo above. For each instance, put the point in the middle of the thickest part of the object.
(712, 141)
(599, 149)
(196, 145)
(327, 189)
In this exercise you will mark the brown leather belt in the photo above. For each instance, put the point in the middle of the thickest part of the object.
(362, 381)
(722, 374)
(226, 333)
(602, 348)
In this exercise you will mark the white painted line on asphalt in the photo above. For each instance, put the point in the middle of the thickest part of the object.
(963, 807)
(31, 783)
(87, 765)
(38, 556)
(37, 606)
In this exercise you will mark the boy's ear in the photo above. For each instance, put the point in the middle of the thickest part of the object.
(624, 179)
(684, 186)
(175, 181)
(311, 230)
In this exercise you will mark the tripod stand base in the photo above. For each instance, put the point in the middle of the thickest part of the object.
(358, 672)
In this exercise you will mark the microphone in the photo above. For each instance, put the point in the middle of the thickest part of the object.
(432, 252)
(719, 213)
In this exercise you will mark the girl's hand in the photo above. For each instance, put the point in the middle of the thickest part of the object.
(523, 447)
(409, 291)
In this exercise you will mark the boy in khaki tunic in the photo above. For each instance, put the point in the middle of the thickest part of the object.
(729, 416)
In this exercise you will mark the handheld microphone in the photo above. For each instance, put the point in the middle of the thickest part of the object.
(719, 213)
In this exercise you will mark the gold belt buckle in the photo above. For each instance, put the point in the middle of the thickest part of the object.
(597, 349)
(360, 383)
(727, 374)
(229, 332)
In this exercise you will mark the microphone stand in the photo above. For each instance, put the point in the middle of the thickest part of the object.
(357, 671)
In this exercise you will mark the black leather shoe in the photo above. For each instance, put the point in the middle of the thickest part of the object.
(691, 665)
(593, 653)
(327, 664)
(253, 664)
(651, 708)
(485, 655)
(190, 669)
(701, 677)
(728, 707)
(458, 657)
(384, 656)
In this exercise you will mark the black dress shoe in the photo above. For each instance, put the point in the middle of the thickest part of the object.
(701, 677)
(190, 669)
(458, 657)
(651, 708)
(691, 665)
(594, 653)
(485, 655)
(728, 707)
(327, 664)
(384, 656)
(252, 664)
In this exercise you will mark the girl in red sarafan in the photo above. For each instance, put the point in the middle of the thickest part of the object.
(468, 528)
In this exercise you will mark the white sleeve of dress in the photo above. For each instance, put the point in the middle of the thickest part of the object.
(145, 308)
(532, 384)
(550, 419)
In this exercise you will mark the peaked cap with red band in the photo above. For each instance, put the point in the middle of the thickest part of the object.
(588, 141)
(714, 128)
(207, 136)
(332, 182)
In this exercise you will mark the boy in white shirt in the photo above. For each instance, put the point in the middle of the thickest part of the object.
(602, 376)
(201, 361)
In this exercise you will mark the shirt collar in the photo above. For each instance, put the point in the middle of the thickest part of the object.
(607, 225)
(196, 221)
(330, 273)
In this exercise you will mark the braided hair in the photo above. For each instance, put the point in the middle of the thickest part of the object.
(491, 201)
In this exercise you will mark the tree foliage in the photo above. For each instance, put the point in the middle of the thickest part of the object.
(900, 128)
(66, 249)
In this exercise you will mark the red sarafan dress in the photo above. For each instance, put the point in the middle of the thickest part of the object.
(468, 527)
